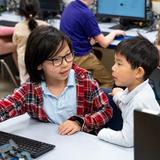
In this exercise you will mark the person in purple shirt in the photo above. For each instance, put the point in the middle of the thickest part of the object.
(79, 23)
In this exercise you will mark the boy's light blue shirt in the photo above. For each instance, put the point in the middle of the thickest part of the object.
(60, 108)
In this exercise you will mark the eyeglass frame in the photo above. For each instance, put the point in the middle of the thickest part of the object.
(61, 57)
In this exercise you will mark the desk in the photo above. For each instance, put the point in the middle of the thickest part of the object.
(103, 26)
(76, 147)
(132, 32)
(106, 27)
(11, 16)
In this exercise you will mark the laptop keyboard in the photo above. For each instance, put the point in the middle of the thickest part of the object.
(35, 148)
(7, 23)
(105, 33)
(120, 37)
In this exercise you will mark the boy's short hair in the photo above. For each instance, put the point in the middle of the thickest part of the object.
(139, 52)
(44, 42)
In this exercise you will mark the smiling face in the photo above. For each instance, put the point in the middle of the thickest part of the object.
(57, 73)
(124, 75)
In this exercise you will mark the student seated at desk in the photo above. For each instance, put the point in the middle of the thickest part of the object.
(79, 23)
(135, 60)
(58, 91)
(29, 9)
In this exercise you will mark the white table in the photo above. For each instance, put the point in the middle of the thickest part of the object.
(103, 26)
(10, 16)
(80, 146)
(132, 32)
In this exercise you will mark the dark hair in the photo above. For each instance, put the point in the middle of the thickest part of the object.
(43, 43)
(30, 9)
(139, 52)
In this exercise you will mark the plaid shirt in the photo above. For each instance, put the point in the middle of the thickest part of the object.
(92, 104)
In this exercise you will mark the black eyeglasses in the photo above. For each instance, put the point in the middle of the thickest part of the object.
(59, 60)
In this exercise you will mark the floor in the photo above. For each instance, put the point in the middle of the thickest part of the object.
(6, 85)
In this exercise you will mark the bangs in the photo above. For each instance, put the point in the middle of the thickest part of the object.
(58, 50)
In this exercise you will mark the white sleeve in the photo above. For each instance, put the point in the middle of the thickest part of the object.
(123, 137)
(117, 98)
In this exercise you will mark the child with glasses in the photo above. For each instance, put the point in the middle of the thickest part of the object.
(58, 91)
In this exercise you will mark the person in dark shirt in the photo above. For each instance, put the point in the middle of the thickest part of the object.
(79, 23)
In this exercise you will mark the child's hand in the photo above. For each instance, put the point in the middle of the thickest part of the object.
(115, 91)
(68, 128)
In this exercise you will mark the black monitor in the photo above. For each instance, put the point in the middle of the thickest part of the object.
(124, 9)
(50, 8)
(3, 5)
(146, 135)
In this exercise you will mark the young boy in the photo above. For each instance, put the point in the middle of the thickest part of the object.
(135, 59)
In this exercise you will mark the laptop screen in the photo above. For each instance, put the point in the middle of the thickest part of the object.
(146, 136)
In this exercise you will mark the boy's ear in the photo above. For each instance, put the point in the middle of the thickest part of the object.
(140, 72)
(39, 67)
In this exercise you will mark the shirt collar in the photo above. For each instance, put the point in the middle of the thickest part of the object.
(71, 78)
(129, 95)
(70, 82)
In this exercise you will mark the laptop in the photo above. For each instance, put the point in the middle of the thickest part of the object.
(120, 37)
(146, 135)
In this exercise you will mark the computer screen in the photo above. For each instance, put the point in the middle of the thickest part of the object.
(50, 7)
(132, 9)
(126, 10)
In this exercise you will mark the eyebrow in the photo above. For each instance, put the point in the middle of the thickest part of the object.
(117, 59)
(67, 52)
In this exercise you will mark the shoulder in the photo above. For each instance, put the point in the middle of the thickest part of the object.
(31, 86)
(81, 73)
(21, 23)
(41, 22)
(84, 78)
(88, 14)
(21, 27)
(146, 92)
(145, 98)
